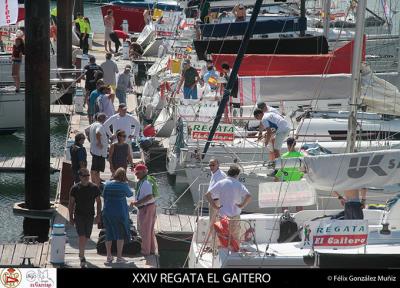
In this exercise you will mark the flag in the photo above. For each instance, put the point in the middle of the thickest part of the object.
(8, 12)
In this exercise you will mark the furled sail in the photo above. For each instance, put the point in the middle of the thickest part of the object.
(338, 172)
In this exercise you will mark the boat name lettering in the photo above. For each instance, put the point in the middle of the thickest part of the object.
(329, 229)
(358, 166)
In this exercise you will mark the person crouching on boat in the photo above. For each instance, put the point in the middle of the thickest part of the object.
(233, 197)
(277, 131)
(17, 51)
(352, 204)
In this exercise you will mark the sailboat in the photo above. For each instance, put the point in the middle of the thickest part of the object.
(377, 235)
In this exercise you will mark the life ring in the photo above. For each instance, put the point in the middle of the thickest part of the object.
(222, 229)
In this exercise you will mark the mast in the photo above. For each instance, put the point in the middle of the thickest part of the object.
(233, 76)
(327, 17)
(356, 75)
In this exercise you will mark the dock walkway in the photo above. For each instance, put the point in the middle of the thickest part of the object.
(13, 255)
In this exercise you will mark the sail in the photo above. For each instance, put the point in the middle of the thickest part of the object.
(272, 25)
(338, 172)
(301, 46)
(8, 12)
(335, 62)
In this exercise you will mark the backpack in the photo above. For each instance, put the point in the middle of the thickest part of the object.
(154, 185)
(287, 229)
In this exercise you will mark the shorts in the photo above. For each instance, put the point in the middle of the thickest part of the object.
(190, 93)
(278, 141)
(84, 225)
(353, 210)
(98, 163)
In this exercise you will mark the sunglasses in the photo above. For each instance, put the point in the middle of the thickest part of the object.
(123, 136)
(84, 175)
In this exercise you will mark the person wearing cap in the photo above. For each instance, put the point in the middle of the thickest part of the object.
(124, 122)
(239, 11)
(277, 130)
(189, 79)
(124, 83)
(116, 214)
(145, 203)
(93, 73)
(110, 70)
(81, 209)
(288, 173)
(78, 156)
(98, 148)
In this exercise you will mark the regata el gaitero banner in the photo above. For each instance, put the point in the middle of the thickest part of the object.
(8, 12)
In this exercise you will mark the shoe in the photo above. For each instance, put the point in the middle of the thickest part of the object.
(110, 260)
(16, 90)
(83, 262)
(121, 260)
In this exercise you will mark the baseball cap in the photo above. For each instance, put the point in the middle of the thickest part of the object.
(122, 106)
(187, 61)
(261, 105)
(140, 167)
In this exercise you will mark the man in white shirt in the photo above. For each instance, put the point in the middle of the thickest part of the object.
(233, 197)
(216, 176)
(124, 122)
(266, 108)
(98, 148)
(110, 69)
(277, 131)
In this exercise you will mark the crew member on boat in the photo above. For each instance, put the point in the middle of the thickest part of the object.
(352, 204)
(277, 131)
(239, 11)
(216, 176)
(189, 79)
(233, 197)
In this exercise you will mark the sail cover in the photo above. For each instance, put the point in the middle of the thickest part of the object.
(8, 12)
(338, 172)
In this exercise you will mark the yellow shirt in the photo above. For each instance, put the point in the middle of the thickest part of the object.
(86, 28)
(53, 12)
(81, 23)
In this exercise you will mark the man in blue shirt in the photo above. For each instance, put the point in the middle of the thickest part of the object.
(210, 78)
(92, 100)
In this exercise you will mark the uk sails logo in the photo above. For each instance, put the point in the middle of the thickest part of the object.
(359, 166)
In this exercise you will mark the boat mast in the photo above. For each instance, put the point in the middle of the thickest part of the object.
(356, 75)
(327, 17)
(233, 76)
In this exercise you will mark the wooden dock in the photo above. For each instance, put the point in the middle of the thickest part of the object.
(13, 255)
(59, 110)
(17, 164)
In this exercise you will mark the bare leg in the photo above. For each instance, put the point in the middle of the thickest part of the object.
(105, 46)
(82, 245)
(109, 46)
(120, 246)
(108, 249)
(95, 177)
(277, 154)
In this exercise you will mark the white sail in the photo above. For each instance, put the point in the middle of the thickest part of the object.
(338, 172)
(377, 94)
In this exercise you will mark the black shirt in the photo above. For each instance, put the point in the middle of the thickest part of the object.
(84, 198)
(92, 70)
(78, 154)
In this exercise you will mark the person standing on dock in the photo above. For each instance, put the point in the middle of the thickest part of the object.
(145, 203)
(98, 148)
(93, 73)
(124, 83)
(116, 214)
(277, 131)
(110, 69)
(17, 51)
(87, 29)
(53, 15)
(189, 79)
(92, 101)
(233, 197)
(79, 24)
(78, 156)
(120, 153)
(106, 101)
(124, 122)
(109, 23)
(81, 210)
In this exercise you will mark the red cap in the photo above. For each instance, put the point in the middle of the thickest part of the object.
(140, 167)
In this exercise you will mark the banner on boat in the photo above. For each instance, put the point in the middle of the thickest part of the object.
(335, 234)
(201, 131)
(8, 12)
(339, 172)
